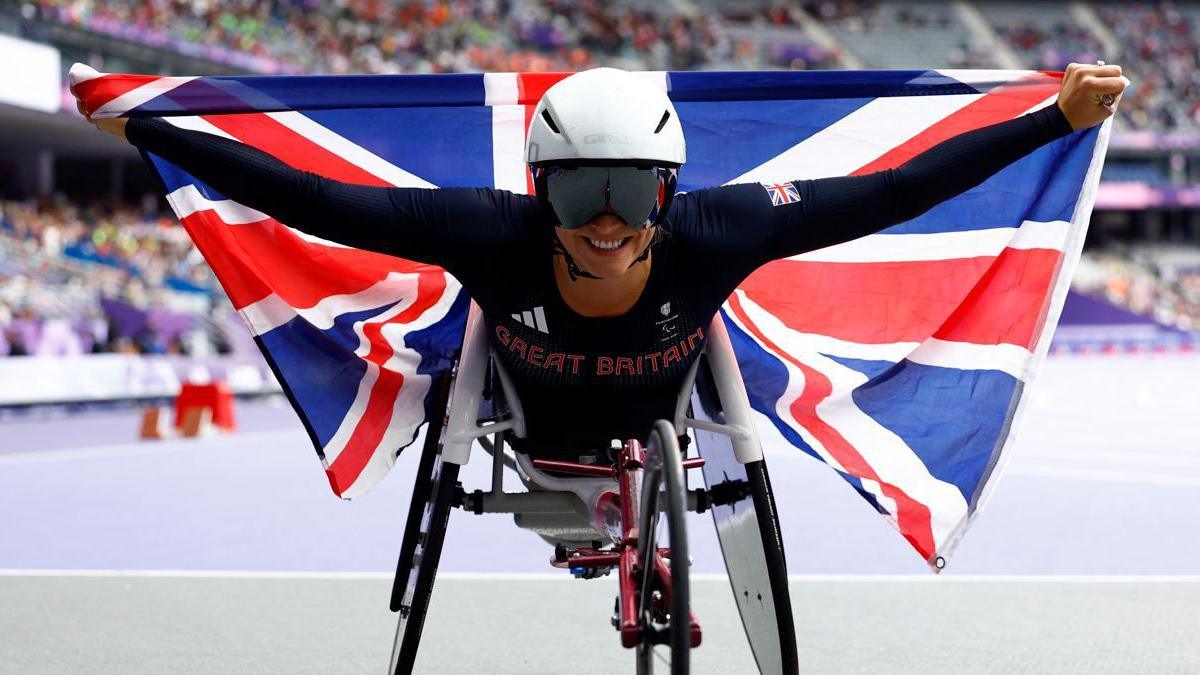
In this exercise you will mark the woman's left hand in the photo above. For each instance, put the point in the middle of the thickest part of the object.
(1089, 94)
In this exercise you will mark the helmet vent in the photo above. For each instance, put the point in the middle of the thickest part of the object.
(550, 121)
(663, 122)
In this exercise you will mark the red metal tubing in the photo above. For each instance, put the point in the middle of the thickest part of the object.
(693, 463)
(663, 571)
(574, 468)
(630, 465)
(594, 560)
(631, 629)
(694, 630)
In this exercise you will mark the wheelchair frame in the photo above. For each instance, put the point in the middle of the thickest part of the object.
(722, 418)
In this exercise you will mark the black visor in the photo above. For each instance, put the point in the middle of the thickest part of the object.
(635, 195)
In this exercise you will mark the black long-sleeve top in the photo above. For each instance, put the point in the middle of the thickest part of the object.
(585, 380)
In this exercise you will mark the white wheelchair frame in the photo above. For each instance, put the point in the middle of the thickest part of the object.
(559, 508)
(463, 426)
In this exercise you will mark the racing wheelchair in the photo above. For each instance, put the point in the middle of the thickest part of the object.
(610, 515)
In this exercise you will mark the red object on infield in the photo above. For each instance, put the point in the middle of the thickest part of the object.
(214, 396)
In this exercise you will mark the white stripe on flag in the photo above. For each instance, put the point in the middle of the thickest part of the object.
(271, 312)
(985, 77)
(500, 89)
(508, 148)
(657, 77)
(1008, 358)
(349, 150)
(987, 243)
(136, 97)
(188, 200)
(81, 72)
(197, 123)
(858, 138)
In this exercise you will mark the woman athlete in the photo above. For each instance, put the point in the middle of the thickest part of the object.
(598, 290)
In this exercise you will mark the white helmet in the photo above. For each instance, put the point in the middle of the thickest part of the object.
(605, 115)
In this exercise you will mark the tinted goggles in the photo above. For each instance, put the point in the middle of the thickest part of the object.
(635, 195)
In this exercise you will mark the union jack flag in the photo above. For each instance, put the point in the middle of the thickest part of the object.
(783, 193)
(902, 359)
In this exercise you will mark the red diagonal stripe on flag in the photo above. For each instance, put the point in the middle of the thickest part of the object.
(98, 91)
(375, 419)
(261, 131)
(1002, 103)
(255, 259)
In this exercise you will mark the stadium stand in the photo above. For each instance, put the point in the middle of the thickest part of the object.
(1159, 281)
(87, 280)
(1044, 34)
(1161, 52)
(1157, 41)
(75, 277)
(1128, 171)
(917, 34)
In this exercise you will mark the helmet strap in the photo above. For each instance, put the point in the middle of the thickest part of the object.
(573, 270)
(645, 254)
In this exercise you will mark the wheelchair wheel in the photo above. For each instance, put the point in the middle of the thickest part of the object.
(434, 492)
(664, 609)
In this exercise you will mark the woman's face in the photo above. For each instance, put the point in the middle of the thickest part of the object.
(605, 246)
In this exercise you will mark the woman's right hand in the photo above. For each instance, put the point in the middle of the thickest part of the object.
(112, 125)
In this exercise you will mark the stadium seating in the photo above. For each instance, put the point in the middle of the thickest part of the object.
(76, 279)
(918, 34)
(1157, 41)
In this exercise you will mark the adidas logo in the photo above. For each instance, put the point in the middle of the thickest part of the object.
(535, 319)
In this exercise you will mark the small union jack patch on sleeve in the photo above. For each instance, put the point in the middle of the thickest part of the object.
(782, 193)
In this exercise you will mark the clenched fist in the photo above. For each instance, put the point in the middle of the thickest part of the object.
(1084, 97)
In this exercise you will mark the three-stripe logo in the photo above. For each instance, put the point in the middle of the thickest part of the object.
(535, 318)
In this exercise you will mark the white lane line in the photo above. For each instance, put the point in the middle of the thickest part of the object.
(548, 576)
(1106, 476)
(141, 447)
(1093, 456)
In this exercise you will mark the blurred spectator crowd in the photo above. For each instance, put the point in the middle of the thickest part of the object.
(1158, 41)
(1160, 52)
(1155, 281)
(383, 36)
(101, 279)
(93, 278)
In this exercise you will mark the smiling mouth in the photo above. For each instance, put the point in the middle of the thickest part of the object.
(607, 246)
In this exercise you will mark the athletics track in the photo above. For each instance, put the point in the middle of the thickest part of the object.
(229, 554)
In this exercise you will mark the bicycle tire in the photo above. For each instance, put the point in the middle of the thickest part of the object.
(423, 482)
(426, 556)
(663, 479)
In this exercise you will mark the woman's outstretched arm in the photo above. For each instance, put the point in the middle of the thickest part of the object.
(428, 225)
(838, 209)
